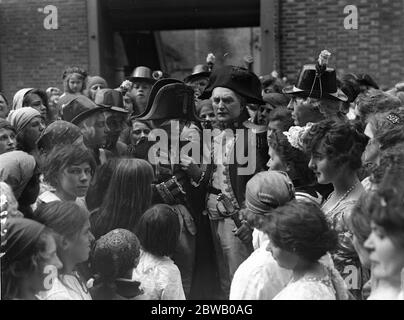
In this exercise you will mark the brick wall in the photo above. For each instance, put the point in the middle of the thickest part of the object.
(32, 56)
(377, 47)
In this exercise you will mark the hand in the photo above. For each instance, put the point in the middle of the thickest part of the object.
(192, 169)
(244, 232)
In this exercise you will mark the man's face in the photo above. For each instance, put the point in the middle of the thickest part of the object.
(226, 105)
(263, 114)
(94, 130)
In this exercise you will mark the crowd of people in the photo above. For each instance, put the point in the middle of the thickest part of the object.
(223, 185)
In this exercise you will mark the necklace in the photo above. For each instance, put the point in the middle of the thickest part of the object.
(340, 199)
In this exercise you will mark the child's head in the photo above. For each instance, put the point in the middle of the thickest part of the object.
(74, 80)
(72, 225)
(159, 230)
(299, 231)
(115, 255)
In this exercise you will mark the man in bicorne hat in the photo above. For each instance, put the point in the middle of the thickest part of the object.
(171, 109)
(231, 88)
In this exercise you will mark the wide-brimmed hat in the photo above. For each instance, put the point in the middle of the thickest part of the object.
(142, 74)
(80, 108)
(276, 99)
(170, 99)
(317, 81)
(240, 80)
(199, 71)
(110, 98)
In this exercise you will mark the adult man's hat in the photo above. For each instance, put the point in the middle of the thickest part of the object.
(153, 92)
(240, 80)
(81, 108)
(174, 100)
(317, 81)
(199, 71)
(276, 99)
(142, 74)
(110, 98)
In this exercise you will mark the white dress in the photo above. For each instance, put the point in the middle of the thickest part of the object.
(329, 287)
(160, 278)
(69, 289)
(259, 277)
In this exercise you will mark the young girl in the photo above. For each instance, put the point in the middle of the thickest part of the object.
(299, 236)
(158, 232)
(74, 80)
(74, 239)
(28, 255)
(128, 197)
(115, 256)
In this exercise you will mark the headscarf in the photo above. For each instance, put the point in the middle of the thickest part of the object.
(115, 253)
(96, 80)
(20, 118)
(17, 169)
(58, 133)
(19, 98)
(268, 190)
(21, 236)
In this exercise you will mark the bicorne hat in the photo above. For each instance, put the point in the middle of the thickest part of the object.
(317, 81)
(170, 99)
(240, 80)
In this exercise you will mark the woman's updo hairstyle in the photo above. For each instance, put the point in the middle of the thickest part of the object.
(301, 228)
(341, 142)
(295, 158)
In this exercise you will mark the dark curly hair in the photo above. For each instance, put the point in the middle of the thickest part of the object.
(387, 205)
(374, 101)
(293, 157)
(283, 115)
(392, 157)
(388, 128)
(341, 142)
(78, 70)
(302, 228)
